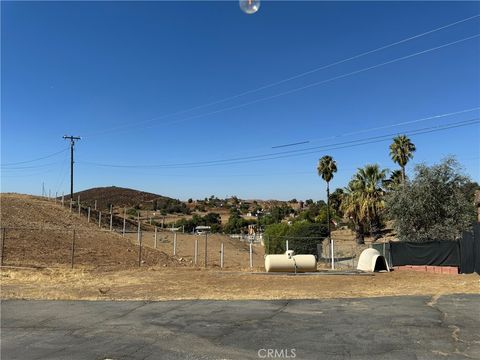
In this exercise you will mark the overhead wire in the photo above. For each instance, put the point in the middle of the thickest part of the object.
(263, 87)
(297, 152)
(34, 160)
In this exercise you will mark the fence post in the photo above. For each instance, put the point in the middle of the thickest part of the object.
(78, 204)
(332, 254)
(111, 217)
(124, 221)
(196, 252)
(138, 231)
(99, 219)
(251, 255)
(63, 199)
(140, 250)
(222, 254)
(174, 244)
(155, 237)
(95, 208)
(4, 237)
(55, 198)
(73, 248)
(286, 245)
(88, 214)
(206, 249)
(71, 204)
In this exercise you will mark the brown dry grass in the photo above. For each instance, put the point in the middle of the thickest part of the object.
(40, 234)
(187, 283)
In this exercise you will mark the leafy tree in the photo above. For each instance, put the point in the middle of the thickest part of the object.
(434, 205)
(274, 238)
(326, 168)
(190, 200)
(302, 237)
(336, 201)
(401, 151)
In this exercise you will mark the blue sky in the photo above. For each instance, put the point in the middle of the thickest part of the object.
(115, 72)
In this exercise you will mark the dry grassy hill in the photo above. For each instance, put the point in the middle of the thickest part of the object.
(40, 232)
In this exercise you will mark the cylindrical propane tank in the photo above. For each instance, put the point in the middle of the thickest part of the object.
(289, 262)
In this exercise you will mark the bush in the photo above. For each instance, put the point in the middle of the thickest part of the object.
(302, 237)
(434, 206)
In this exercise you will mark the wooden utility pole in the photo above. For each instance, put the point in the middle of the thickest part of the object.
(72, 145)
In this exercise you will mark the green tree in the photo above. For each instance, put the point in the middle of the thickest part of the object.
(302, 237)
(369, 183)
(434, 206)
(352, 207)
(394, 181)
(336, 201)
(326, 168)
(401, 151)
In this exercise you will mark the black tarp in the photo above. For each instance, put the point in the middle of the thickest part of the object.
(467, 253)
(476, 234)
(437, 253)
(470, 251)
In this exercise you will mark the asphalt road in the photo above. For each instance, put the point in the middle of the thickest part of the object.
(378, 328)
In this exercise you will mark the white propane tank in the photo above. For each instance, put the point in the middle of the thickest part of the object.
(289, 262)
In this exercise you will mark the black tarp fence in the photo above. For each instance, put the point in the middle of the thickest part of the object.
(464, 254)
(470, 251)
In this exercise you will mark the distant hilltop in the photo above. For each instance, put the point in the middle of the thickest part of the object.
(119, 197)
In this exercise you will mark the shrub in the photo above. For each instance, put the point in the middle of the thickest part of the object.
(434, 205)
(302, 237)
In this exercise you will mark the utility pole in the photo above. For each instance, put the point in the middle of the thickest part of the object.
(72, 145)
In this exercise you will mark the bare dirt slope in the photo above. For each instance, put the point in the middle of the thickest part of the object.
(40, 233)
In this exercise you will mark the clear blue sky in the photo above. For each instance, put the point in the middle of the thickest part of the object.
(111, 72)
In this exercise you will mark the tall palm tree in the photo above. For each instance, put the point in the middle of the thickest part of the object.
(369, 183)
(401, 150)
(351, 206)
(326, 168)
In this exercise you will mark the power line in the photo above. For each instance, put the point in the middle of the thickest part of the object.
(321, 82)
(266, 86)
(397, 124)
(298, 152)
(37, 159)
(31, 166)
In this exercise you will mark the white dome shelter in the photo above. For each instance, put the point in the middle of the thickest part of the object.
(370, 260)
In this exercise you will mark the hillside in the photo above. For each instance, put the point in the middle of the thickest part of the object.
(39, 233)
(121, 197)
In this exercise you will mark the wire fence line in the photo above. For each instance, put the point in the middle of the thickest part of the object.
(121, 242)
(70, 247)
(50, 247)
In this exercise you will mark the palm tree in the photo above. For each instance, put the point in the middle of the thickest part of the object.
(351, 206)
(326, 168)
(395, 180)
(401, 150)
(369, 183)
